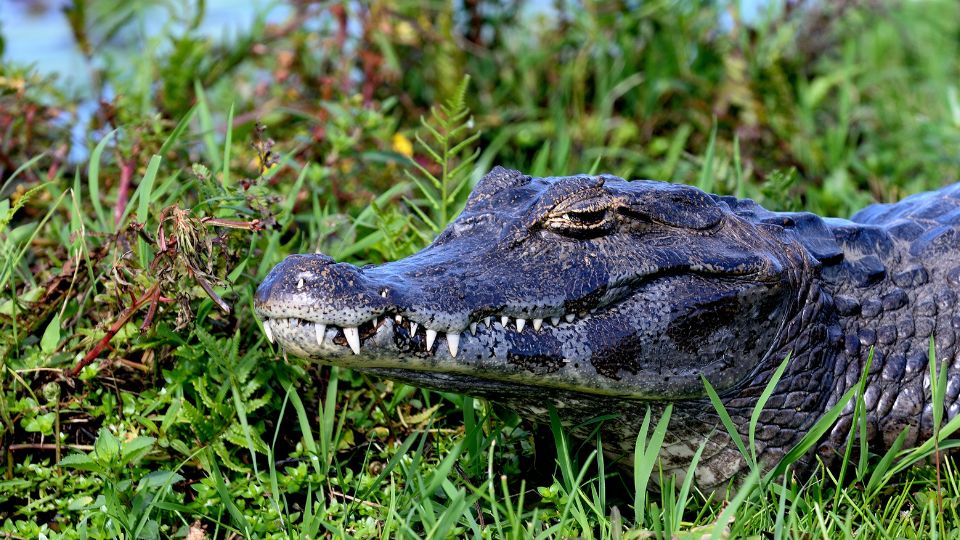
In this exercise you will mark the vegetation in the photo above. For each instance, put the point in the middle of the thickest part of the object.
(138, 397)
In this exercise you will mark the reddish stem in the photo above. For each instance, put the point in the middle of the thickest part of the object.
(123, 192)
(253, 225)
(151, 311)
(58, 157)
(114, 328)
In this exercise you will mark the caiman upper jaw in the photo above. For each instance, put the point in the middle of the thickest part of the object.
(346, 305)
(314, 288)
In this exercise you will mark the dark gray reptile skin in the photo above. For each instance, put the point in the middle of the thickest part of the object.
(621, 295)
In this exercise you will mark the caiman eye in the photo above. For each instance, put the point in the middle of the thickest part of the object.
(589, 218)
(581, 220)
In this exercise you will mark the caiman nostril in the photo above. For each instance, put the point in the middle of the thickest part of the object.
(323, 259)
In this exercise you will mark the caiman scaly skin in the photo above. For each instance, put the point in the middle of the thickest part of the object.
(604, 297)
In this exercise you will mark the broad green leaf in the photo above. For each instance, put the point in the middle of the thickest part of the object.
(107, 447)
(81, 461)
(159, 479)
(51, 336)
(41, 423)
(134, 450)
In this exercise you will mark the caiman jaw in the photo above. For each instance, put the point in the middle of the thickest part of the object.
(352, 337)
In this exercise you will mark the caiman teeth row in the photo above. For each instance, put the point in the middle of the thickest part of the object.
(352, 333)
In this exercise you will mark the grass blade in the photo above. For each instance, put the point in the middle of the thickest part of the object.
(177, 131)
(227, 147)
(727, 421)
(93, 179)
(706, 181)
(224, 492)
(145, 189)
(304, 421)
(645, 458)
(761, 403)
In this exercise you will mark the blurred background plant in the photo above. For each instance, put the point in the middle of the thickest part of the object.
(148, 184)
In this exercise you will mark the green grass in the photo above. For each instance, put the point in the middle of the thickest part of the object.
(183, 414)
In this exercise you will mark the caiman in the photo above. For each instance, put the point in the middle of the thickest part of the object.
(602, 296)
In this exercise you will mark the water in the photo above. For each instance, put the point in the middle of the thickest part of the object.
(38, 36)
(36, 31)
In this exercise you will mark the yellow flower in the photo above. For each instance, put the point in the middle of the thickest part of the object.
(256, 162)
(402, 145)
(406, 33)
(16, 83)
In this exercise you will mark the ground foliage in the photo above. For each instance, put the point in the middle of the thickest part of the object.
(138, 397)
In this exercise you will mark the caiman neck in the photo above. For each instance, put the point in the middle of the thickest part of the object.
(893, 292)
(813, 339)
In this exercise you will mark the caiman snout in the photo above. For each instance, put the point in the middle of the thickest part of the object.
(309, 300)
(306, 288)
(279, 279)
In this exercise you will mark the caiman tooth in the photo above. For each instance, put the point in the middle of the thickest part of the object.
(570, 317)
(399, 319)
(486, 321)
(413, 328)
(321, 330)
(554, 320)
(353, 338)
(267, 330)
(504, 321)
(453, 343)
(537, 323)
(473, 329)
(520, 324)
(374, 321)
(300, 284)
(431, 337)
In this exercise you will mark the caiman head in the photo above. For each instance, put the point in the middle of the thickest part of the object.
(580, 285)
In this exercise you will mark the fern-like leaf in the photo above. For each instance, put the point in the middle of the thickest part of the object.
(447, 139)
(226, 459)
(235, 435)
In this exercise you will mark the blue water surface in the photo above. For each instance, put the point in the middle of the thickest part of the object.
(36, 31)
